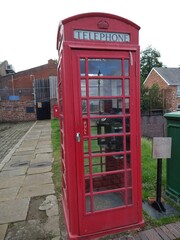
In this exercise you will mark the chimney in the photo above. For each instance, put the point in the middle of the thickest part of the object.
(50, 62)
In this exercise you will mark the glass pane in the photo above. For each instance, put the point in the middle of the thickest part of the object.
(82, 66)
(106, 125)
(84, 107)
(126, 84)
(105, 87)
(87, 185)
(127, 143)
(98, 145)
(115, 162)
(86, 149)
(128, 124)
(109, 200)
(106, 106)
(129, 178)
(128, 160)
(126, 67)
(107, 144)
(83, 87)
(127, 105)
(108, 163)
(104, 67)
(107, 182)
(88, 204)
(117, 106)
(86, 166)
(98, 164)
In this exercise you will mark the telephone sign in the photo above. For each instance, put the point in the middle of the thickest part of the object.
(101, 36)
(99, 101)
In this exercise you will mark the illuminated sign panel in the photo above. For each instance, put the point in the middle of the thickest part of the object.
(101, 36)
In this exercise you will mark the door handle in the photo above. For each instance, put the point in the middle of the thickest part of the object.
(78, 137)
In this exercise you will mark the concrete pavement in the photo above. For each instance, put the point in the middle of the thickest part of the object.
(28, 205)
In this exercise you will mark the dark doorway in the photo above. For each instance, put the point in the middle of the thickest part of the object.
(43, 110)
(42, 96)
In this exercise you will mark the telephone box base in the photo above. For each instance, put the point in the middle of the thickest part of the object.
(107, 232)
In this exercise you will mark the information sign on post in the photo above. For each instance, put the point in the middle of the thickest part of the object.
(161, 150)
(162, 147)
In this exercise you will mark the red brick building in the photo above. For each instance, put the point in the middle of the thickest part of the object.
(30, 94)
(168, 80)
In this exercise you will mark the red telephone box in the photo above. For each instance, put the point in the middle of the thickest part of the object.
(99, 99)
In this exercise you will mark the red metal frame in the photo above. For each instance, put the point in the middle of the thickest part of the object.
(101, 169)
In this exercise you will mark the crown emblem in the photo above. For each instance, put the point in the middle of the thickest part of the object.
(103, 24)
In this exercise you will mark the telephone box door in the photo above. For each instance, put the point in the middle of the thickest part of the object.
(107, 146)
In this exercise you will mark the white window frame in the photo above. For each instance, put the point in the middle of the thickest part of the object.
(178, 107)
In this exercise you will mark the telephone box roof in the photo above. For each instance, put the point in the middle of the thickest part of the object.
(99, 14)
(93, 15)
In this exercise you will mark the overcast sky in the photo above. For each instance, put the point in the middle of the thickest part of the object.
(28, 28)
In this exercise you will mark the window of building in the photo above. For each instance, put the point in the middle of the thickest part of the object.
(178, 91)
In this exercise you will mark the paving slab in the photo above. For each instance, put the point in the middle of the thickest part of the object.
(34, 133)
(16, 163)
(8, 194)
(28, 144)
(35, 170)
(30, 141)
(15, 172)
(43, 146)
(13, 211)
(44, 156)
(3, 229)
(46, 133)
(22, 149)
(45, 138)
(24, 153)
(8, 167)
(9, 182)
(38, 161)
(38, 179)
(39, 190)
(43, 150)
(21, 157)
(44, 141)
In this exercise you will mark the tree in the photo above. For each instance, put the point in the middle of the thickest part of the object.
(149, 59)
(155, 97)
(151, 98)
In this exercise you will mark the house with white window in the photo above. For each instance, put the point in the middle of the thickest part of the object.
(168, 80)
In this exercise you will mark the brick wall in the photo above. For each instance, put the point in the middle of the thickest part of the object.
(171, 98)
(153, 126)
(16, 111)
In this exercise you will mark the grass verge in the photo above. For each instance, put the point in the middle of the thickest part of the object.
(56, 167)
